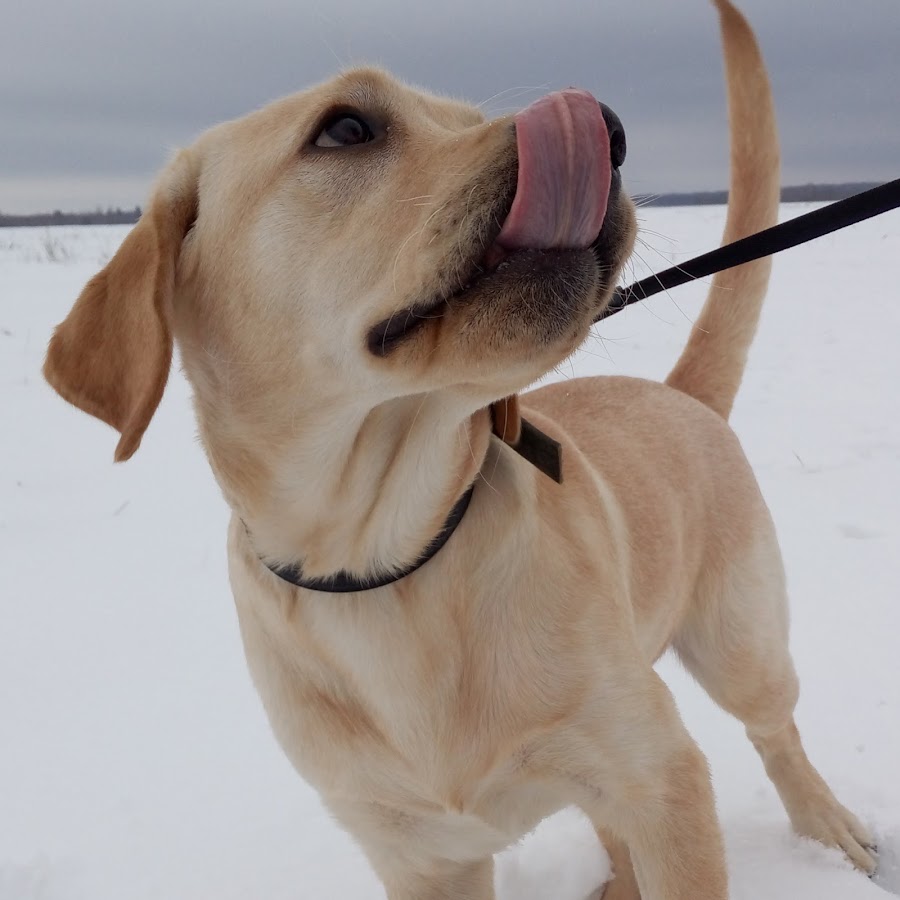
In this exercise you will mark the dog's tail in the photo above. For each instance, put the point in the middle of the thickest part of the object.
(713, 362)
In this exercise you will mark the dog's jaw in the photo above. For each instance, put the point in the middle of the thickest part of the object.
(540, 247)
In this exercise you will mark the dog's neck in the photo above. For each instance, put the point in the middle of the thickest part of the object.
(353, 490)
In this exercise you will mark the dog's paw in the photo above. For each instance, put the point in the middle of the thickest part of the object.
(834, 826)
(614, 890)
(623, 887)
(888, 874)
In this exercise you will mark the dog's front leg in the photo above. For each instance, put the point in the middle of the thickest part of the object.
(442, 880)
(409, 847)
(648, 785)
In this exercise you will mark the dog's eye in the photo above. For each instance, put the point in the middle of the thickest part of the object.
(344, 130)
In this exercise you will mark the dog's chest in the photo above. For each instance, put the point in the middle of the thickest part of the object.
(403, 727)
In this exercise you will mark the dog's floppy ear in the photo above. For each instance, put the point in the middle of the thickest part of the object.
(111, 355)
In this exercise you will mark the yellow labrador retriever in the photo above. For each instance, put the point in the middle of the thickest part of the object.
(354, 275)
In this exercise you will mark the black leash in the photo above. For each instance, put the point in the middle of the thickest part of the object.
(773, 240)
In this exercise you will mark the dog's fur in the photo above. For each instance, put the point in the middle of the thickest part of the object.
(443, 716)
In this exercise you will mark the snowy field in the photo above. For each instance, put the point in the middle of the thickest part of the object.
(135, 760)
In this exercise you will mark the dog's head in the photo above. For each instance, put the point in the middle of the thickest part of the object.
(358, 242)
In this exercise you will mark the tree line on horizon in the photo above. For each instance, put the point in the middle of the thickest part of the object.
(805, 193)
(110, 216)
(801, 193)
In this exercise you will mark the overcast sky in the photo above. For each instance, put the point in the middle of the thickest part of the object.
(97, 93)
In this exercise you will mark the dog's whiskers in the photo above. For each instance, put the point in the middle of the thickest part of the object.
(412, 236)
(709, 283)
(519, 91)
(412, 424)
(467, 430)
(667, 292)
(668, 261)
(585, 349)
(646, 200)
(659, 234)
(459, 233)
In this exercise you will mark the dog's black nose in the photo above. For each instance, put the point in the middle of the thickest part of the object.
(617, 145)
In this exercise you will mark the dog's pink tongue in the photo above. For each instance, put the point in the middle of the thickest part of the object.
(564, 173)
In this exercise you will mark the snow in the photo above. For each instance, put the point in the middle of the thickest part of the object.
(135, 759)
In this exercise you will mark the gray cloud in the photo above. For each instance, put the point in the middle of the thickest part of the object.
(99, 92)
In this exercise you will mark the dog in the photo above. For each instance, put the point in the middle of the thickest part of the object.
(362, 278)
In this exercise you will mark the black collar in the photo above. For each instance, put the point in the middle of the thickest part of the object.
(345, 583)
(529, 442)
